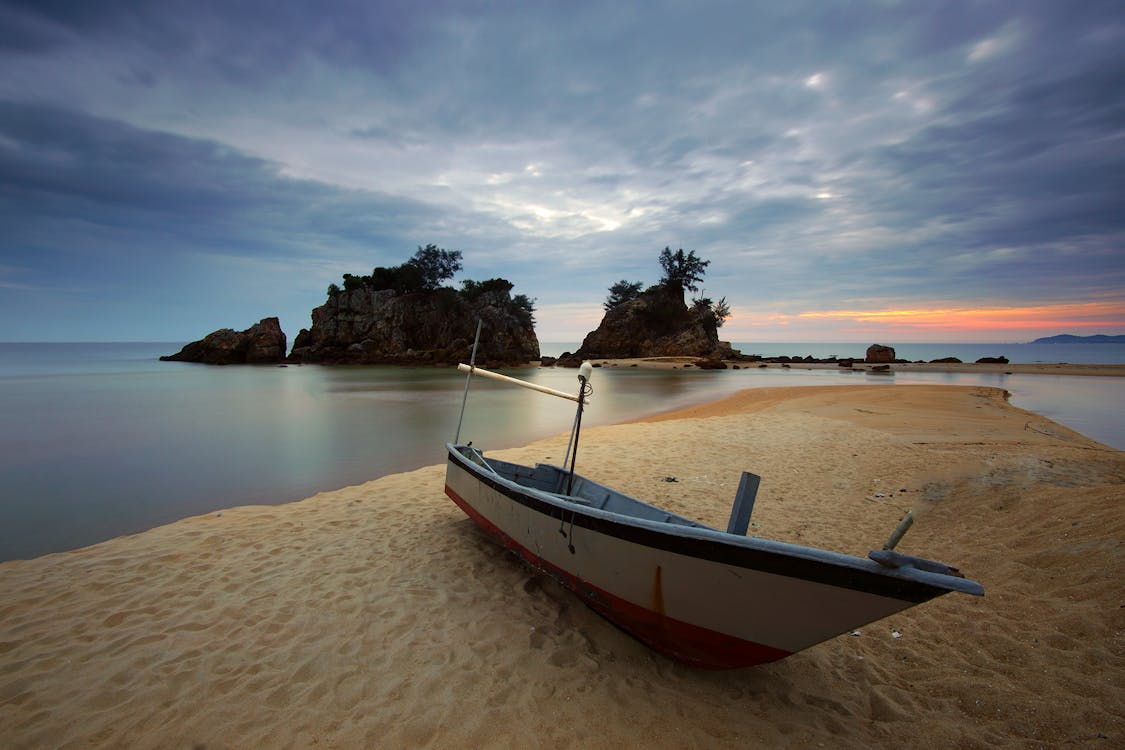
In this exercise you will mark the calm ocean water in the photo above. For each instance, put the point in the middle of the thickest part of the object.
(99, 440)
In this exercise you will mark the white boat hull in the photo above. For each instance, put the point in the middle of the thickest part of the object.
(701, 596)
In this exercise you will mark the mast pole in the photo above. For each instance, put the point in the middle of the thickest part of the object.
(583, 381)
(468, 379)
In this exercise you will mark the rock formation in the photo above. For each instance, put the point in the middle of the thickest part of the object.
(261, 343)
(366, 326)
(877, 353)
(655, 324)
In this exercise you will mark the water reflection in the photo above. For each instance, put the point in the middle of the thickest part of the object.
(92, 455)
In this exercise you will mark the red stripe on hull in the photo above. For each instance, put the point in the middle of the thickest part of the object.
(687, 643)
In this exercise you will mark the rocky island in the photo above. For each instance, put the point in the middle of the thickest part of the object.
(401, 315)
(261, 344)
(657, 322)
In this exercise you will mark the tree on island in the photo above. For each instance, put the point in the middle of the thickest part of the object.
(424, 274)
(682, 271)
(622, 291)
(435, 265)
(720, 310)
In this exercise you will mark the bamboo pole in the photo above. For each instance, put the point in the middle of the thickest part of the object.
(515, 381)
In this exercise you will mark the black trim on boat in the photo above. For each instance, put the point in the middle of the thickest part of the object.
(737, 555)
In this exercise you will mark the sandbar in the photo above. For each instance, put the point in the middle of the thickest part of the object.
(379, 616)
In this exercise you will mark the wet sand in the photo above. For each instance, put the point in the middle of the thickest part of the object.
(378, 616)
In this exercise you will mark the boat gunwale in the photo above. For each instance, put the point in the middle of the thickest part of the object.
(707, 543)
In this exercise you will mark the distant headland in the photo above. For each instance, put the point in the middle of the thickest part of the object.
(1066, 338)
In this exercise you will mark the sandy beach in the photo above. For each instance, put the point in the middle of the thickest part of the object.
(379, 616)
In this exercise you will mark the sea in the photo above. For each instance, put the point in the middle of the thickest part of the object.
(1019, 353)
(98, 440)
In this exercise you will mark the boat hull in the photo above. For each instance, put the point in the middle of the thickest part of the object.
(700, 596)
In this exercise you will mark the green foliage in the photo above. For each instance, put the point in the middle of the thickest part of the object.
(525, 308)
(474, 289)
(406, 279)
(622, 291)
(683, 271)
(435, 265)
(424, 274)
(719, 311)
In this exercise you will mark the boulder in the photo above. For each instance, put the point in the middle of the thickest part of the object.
(992, 361)
(879, 354)
(261, 343)
(945, 361)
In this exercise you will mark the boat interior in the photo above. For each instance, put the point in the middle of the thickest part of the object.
(554, 481)
(557, 482)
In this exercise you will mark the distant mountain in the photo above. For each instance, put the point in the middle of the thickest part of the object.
(1067, 338)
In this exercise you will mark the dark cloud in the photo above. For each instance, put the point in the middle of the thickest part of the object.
(63, 163)
(244, 41)
(88, 203)
(955, 148)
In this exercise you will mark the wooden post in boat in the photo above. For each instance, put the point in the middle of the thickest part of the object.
(743, 504)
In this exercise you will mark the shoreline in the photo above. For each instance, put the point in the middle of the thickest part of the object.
(377, 615)
(1059, 368)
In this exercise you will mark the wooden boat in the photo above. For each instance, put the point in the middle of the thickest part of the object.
(708, 598)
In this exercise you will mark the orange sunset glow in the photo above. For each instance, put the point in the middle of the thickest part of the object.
(934, 322)
(1072, 316)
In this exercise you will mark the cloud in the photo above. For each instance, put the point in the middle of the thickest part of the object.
(61, 165)
(822, 156)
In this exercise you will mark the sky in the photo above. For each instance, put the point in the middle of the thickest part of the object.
(853, 171)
